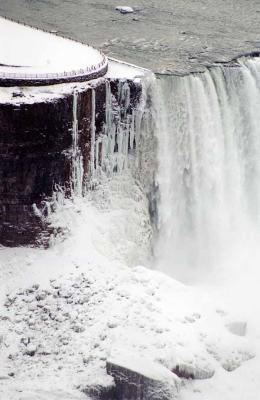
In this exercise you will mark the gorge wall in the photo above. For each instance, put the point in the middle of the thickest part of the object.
(49, 143)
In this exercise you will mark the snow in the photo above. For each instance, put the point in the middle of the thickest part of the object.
(27, 51)
(144, 366)
(121, 69)
(93, 297)
(36, 94)
(79, 303)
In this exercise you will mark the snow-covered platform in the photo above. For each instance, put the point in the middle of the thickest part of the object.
(61, 105)
(33, 57)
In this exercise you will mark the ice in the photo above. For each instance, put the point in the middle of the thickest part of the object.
(77, 164)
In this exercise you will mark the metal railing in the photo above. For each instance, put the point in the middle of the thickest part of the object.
(55, 75)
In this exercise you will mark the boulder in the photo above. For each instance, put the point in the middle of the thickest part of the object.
(125, 9)
(141, 379)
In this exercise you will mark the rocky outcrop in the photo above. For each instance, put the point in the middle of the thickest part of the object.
(42, 137)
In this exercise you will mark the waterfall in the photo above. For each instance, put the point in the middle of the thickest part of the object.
(209, 165)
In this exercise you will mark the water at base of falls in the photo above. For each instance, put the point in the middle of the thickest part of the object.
(209, 167)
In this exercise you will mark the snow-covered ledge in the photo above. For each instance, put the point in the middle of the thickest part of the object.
(29, 56)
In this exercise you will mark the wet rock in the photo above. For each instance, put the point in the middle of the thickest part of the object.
(142, 379)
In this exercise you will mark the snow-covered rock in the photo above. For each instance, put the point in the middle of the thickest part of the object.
(141, 378)
(30, 350)
(101, 391)
(189, 371)
(125, 9)
(85, 282)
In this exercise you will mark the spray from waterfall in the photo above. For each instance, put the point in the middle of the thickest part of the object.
(209, 166)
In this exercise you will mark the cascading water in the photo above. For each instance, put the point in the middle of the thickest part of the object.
(209, 166)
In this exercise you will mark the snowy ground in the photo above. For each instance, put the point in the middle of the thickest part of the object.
(32, 94)
(65, 310)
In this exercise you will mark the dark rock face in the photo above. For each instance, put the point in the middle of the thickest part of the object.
(132, 385)
(36, 156)
(33, 138)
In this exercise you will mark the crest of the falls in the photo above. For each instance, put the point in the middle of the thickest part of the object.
(209, 166)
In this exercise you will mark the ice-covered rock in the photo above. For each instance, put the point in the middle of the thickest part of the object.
(141, 379)
(189, 371)
(125, 9)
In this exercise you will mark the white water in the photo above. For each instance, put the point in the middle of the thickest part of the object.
(209, 169)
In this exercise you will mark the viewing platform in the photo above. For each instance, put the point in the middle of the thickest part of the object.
(31, 57)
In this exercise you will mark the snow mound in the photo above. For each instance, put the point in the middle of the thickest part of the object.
(68, 310)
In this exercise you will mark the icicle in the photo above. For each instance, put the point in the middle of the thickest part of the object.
(93, 135)
(77, 162)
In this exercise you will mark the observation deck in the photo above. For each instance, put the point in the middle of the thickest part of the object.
(32, 57)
